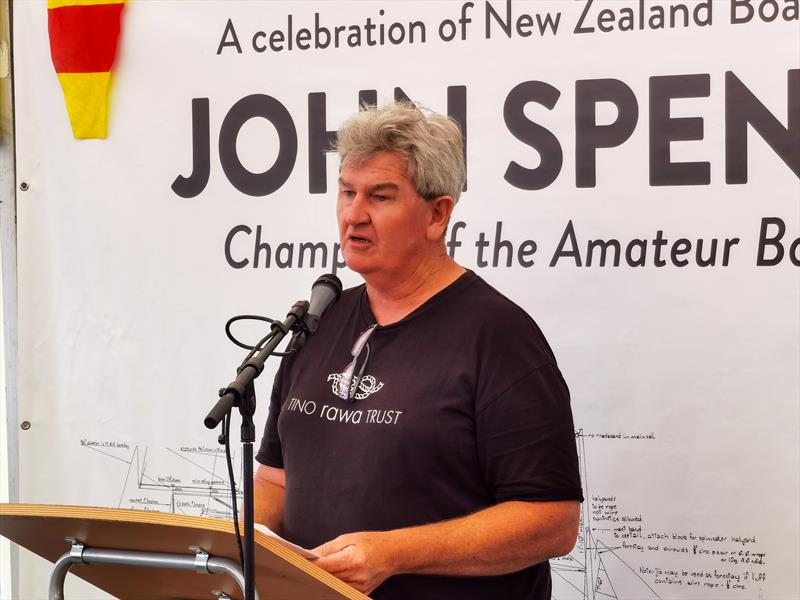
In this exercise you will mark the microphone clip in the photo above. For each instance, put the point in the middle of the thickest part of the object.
(299, 311)
(300, 328)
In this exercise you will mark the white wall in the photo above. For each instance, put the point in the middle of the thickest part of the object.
(9, 468)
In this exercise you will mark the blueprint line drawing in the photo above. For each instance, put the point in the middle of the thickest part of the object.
(592, 569)
(190, 480)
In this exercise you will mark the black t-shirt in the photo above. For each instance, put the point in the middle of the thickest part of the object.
(460, 407)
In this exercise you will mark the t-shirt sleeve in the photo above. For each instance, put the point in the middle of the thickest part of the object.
(270, 452)
(526, 440)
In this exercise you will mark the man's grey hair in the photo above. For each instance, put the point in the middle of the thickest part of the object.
(432, 145)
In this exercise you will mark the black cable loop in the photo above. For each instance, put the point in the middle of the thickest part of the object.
(233, 320)
(274, 325)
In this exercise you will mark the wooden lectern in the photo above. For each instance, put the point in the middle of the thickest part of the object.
(197, 556)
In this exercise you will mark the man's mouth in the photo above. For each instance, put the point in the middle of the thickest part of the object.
(358, 239)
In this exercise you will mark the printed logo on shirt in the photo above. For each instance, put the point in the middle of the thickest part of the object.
(346, 386)
(351, 384)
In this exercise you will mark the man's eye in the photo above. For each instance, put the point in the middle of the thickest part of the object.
(348, 193)
(381, 197)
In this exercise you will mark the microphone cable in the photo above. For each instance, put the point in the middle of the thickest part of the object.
(226, 428)
(324, 292)
(226, 423)
(253, 349)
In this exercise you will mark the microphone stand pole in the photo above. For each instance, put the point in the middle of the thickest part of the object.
(241, 393)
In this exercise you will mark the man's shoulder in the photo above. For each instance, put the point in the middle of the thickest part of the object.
(492, 306)
(501, 322)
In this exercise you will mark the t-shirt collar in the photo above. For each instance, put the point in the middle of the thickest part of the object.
(369, 319)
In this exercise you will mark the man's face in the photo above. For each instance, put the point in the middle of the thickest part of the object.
(384, 225)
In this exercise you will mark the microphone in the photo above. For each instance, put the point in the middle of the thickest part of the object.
(325, 292)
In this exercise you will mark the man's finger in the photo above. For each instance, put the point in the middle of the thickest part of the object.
(335, 545)
(337, 562)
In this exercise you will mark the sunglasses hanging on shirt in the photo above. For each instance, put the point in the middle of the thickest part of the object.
(349, 382)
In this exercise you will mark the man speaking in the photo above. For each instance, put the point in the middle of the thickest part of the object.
(439, 459)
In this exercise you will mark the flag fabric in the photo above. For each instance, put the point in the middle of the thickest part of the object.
(83, 45)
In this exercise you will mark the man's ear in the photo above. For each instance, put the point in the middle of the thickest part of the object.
(439, 211)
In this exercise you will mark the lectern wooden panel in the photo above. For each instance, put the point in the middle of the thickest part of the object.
(280, 573)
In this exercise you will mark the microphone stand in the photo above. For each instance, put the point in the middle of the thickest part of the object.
(241, 393)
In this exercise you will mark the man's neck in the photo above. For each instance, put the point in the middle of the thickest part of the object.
(391, 301)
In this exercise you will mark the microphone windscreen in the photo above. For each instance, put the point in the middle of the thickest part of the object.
(325, 292)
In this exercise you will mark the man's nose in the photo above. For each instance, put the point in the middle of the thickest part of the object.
(357, 213)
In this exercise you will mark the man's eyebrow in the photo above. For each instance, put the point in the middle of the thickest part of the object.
(384, 186)
(388, 185)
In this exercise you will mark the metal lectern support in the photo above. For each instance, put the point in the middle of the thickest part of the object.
(200, 562)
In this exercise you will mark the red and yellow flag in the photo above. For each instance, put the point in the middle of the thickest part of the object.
(83, 44)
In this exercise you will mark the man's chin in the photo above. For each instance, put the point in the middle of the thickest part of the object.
(358, 266)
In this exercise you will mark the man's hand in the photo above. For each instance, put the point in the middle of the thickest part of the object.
(501, 539)
(363, 560)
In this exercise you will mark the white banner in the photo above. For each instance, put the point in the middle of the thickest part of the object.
(633, 183)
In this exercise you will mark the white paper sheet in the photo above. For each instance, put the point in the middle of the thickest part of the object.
(293, 547)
